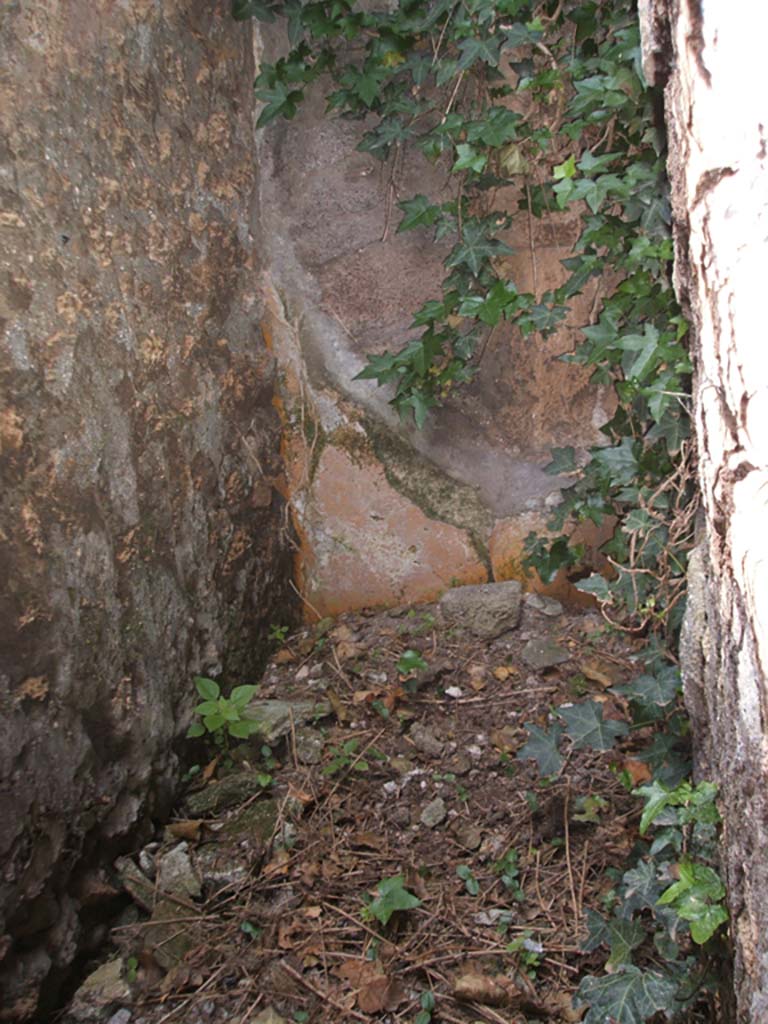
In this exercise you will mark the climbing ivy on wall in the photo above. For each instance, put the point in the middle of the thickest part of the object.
(547, 101)
(548, 98)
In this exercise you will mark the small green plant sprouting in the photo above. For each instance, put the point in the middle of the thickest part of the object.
(343, 757)
(223, 716)
(427, 1004)
(589, 808)
(410, 662)
(528, 951)
(670, 893)
(251, 930)
(268, 759)
(471, 884)
(278, 633)
(509, 869)
(392, 896)
(131, 969)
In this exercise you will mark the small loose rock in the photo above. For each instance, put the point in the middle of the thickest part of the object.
(542, 653)
(434, 813)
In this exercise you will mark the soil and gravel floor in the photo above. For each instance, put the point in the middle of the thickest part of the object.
(261, 905)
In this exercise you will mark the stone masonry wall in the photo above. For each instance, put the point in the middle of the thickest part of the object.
(142, 533)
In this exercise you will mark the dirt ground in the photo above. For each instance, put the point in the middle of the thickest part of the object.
(407, 778)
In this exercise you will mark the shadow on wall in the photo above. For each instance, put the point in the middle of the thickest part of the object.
(141, 532)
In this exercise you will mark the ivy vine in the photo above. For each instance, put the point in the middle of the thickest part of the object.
(548, 97)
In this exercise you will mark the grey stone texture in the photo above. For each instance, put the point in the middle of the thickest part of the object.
(142, 533)
(542, 653)
(486, 609)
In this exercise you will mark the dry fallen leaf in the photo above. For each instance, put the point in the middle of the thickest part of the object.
(599, 671)
(32, 688)
(309, 872)
(278, 865)
(364, 696)
(380, 993)
(303, 797)
(371, 840)
(472, 987)
(336, 703)
(375, 990)
(504, 672)
(638, 771)
(506, 739)
(346, 650)
(392, 696)
(560, 1006)
(356, 972)
(210, 768)
(284, 656)
(185, 829)
(477, 677)
(290, 933)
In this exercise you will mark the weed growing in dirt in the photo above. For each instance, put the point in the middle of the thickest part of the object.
(392, 896)
(410, 662)
(507, 867)
(223, 716)
(528, 952)
(670, 899)
(471, 884)
(427, 1004)
(346, 758)
(278, 634)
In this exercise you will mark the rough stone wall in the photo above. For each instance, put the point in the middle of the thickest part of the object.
(388, 513)
(713, 62)
(142, 533)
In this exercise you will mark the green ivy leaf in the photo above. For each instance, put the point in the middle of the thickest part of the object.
(543, 748)
(208, 707)
(469, 159)
(280, 100)
(392, 896)
(498, 126)
(621, 936)
(214, 721)
(587, 728)
(660, 688)
(262, 11)
(656, 797)
(630, 996)
(696, 898)
(640, 888)
(563, 461)
(476, 249)
(565, 170)
(476, 48)
(419, 212)
(409, 662)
